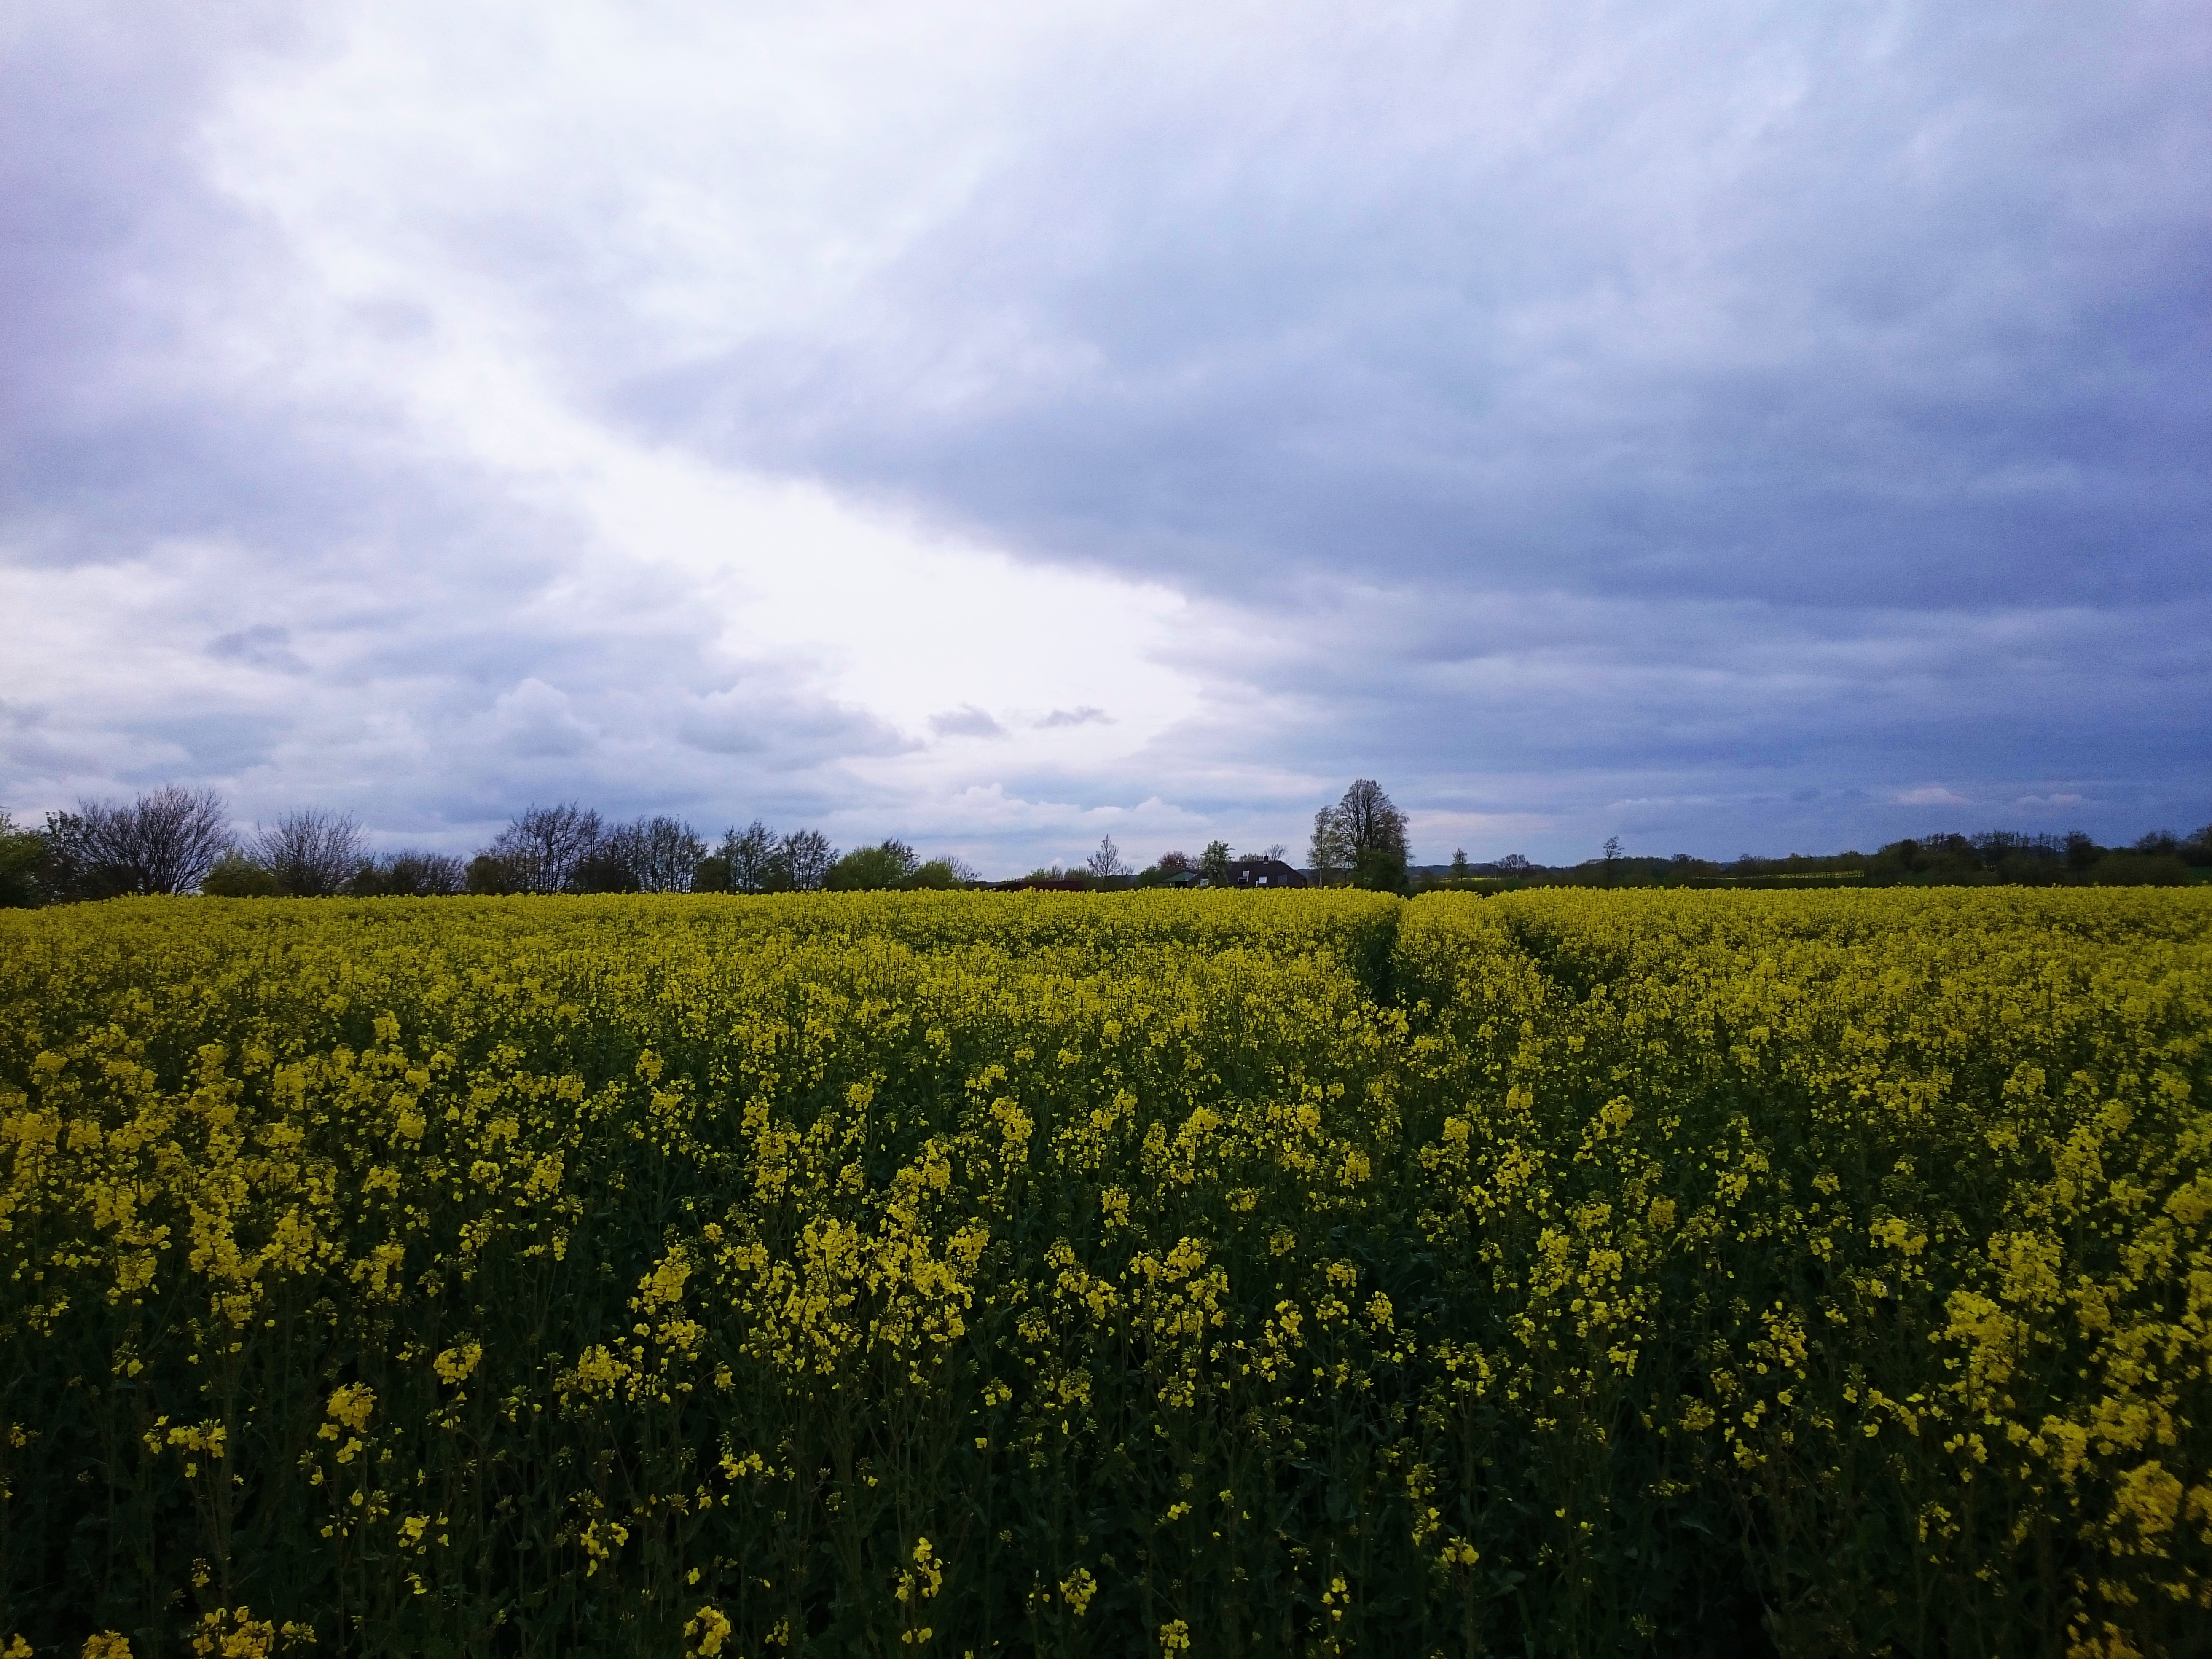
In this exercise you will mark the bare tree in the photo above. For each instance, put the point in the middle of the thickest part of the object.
(1174, 864)
(612, 866)
(802, 860)
(657, 854)
(667, 852)
(165, 842)
(1107, 862)
(750, 857)
(1515, 864)
(1330, 854)
(311, 853)
(412, 874)
(1274, 849)
(544, 849)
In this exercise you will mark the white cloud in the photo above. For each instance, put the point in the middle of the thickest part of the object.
(1932, 794)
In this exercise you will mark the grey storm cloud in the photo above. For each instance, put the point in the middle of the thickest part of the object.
(966, 722)
(1086, 715)
(265, 645)
(1903, 307)
(1729, 426)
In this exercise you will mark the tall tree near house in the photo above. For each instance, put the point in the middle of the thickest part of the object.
(1372, 821)
(310, 853)
(1363, 833)
(1213, 862)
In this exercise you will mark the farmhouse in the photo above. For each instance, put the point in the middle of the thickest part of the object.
(1263, 872)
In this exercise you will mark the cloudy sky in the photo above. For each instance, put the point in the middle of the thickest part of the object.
(1732, 427)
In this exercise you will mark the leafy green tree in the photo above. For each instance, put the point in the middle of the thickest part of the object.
(2134, 869)
(941, 873)
(868, 869)
(68, 873)
(1381, 870)
(234, 875)
(1329, 855)
(1213, 862)
(489, 874)
(22, 857)
(1364, 834)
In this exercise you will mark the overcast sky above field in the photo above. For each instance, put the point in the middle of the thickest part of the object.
(1732, 427)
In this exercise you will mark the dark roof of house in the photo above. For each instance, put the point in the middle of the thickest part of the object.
(1263, 872)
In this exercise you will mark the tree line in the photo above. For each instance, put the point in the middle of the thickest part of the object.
(177, 840)
(1991, 858)
(1359, 841)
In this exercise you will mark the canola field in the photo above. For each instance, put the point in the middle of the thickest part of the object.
(1184, 1274)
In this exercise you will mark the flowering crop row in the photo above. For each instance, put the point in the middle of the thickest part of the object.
(1214, 1273)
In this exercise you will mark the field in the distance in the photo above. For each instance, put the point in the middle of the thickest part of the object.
(1211, 1273)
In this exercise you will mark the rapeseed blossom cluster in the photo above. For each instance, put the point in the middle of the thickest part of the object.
(1211, 1273)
